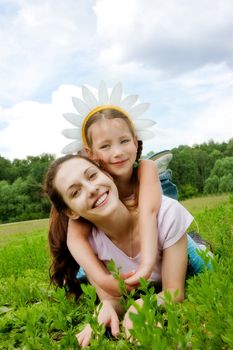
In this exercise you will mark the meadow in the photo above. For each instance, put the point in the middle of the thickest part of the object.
(34, 315)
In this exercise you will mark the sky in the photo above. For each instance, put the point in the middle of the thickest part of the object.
(177, 55)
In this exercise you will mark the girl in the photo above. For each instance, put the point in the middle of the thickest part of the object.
(108, 135)
(114, 234)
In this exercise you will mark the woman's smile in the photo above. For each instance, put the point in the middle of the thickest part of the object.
(101, 200)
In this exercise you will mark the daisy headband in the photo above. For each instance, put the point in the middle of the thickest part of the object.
(91, 104)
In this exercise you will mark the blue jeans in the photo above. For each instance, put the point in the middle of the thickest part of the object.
(195, 262)
(168, 187)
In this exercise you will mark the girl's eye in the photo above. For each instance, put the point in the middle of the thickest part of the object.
(104, 146)
(125, 141)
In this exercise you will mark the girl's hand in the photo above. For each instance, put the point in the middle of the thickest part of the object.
(127, 322)
(143, 271)
(107, 317)
(110, 285)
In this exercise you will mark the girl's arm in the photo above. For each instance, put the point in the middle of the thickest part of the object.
(82, 252)
(174, 266)
(148, 203)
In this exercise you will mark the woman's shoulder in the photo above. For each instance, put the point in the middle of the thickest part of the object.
(173, 221)
(173, 206)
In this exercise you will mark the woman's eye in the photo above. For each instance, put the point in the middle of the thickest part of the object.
(75, 193)
(93, 176)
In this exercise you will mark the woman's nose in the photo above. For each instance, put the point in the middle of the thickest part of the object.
(92, 189)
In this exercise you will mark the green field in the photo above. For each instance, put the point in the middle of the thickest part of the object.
(33, 315)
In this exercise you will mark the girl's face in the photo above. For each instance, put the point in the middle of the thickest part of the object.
(114, 145)
(87, 191)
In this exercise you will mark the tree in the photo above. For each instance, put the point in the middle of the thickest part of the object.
(6, 170)
(183, 167)
(211, 184)
(226, 183)
(220, 179)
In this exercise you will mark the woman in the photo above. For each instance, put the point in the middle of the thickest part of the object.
(79, 189)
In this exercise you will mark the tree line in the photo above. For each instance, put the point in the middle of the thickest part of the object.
(201, 169)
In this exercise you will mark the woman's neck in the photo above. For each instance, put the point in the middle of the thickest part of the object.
(118, 224)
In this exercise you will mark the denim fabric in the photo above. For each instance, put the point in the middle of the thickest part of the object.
(195, 263)
(168, 187)
(80, 273)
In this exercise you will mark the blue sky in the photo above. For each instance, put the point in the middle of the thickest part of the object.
(176, 55)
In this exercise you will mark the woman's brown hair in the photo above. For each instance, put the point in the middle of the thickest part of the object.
(64, 268)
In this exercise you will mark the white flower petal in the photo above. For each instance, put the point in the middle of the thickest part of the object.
(129, 101)
(138, 109)
(103, 94)
(89, 97)
(72, 147)
(73, 134)
(81, 106)
(145, 135)
(143, 123)
(116, 94)
(73, 119)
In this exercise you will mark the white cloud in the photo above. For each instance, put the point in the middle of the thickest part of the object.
(175, 36)
(39, 40)
(215, 122)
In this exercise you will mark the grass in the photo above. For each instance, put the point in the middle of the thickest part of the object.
(24, 226)
(34, 315)
(195, 205)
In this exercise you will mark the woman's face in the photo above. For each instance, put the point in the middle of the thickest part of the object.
(87, 191)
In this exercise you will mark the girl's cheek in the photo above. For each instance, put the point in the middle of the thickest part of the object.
(101, 156)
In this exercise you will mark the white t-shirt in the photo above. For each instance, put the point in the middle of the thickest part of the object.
(173, 220)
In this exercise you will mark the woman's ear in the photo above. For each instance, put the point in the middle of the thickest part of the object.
(71, 214)
(136, 141)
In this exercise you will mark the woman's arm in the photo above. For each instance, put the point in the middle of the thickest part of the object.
(107, 315)
(174, 266)
(82, 252)
(149, 204)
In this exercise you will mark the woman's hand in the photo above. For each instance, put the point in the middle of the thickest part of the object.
(127, 322)
(107, 318)
(84, 336)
